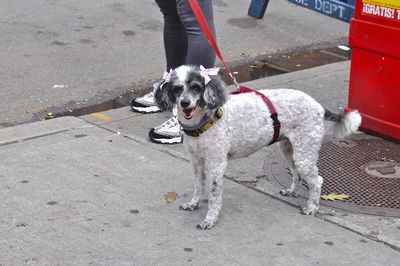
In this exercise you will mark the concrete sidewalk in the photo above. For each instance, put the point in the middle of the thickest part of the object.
(90, 190)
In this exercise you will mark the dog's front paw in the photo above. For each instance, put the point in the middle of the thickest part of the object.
(288, 192)
(309, 210)
(189, 206)
(205, 225)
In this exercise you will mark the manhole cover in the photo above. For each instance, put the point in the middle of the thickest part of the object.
(366, 168)
(382, 169)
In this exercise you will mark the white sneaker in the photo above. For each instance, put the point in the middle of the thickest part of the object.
(146, 104)
(168, 132)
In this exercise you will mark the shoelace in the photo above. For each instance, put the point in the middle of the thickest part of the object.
(149, 95)
(170, 123)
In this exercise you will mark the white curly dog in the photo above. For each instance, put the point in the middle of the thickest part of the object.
(219, 126)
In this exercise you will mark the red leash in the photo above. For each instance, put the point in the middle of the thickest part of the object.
(240, 89)
(206, 29)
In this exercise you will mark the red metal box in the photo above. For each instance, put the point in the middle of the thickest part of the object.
(375, 66)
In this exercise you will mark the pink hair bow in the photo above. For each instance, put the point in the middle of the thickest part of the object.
(206, 72)
(167, 75)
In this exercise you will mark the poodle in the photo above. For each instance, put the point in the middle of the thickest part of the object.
(219, 127)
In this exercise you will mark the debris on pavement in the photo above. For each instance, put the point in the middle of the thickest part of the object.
(170, 196)
(334, 197)
(49, 116)
(101, 116)
(373, 235)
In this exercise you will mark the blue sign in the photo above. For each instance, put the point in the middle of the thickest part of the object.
(340, 9)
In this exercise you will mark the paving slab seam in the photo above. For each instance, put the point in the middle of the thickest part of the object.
(34, 137)
(264, 193)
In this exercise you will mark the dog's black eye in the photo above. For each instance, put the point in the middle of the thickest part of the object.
(177, 89)
(196, 88)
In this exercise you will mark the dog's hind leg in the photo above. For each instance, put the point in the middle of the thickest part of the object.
(287, 150)
(214, 170)
(198, 167)
(305, 156)
(314, 182)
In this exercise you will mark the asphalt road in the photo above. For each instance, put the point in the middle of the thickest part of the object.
(68, 54)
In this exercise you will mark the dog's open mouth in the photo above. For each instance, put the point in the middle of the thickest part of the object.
(188, 113)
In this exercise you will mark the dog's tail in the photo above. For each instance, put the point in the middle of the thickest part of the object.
(345, 123)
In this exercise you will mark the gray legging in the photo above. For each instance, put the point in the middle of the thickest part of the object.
(184, 41)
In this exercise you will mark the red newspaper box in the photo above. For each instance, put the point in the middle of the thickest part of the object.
(375, 66)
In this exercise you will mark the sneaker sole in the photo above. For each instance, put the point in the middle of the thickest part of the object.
(176, 140)
(146, 110)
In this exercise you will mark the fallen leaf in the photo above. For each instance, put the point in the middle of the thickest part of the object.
(374, 235)
(334, 197)
(49, 116)
(170, 196)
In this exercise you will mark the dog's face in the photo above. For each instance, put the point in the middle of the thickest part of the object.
(187, 89)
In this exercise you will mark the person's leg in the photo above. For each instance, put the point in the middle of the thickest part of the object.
(199, 51)
(175, 38)
(175, 46)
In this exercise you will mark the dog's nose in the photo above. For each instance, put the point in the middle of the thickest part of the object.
(185, 103)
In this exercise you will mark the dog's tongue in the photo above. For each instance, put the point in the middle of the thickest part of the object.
(188, 112)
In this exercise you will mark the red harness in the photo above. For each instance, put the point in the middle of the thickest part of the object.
(240, 89)
(274, 115)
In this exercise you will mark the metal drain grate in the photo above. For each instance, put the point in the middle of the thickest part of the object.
(365, 167)
(345, 170)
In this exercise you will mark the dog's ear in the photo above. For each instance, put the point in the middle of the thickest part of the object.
(162, 96)
(215, 94)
